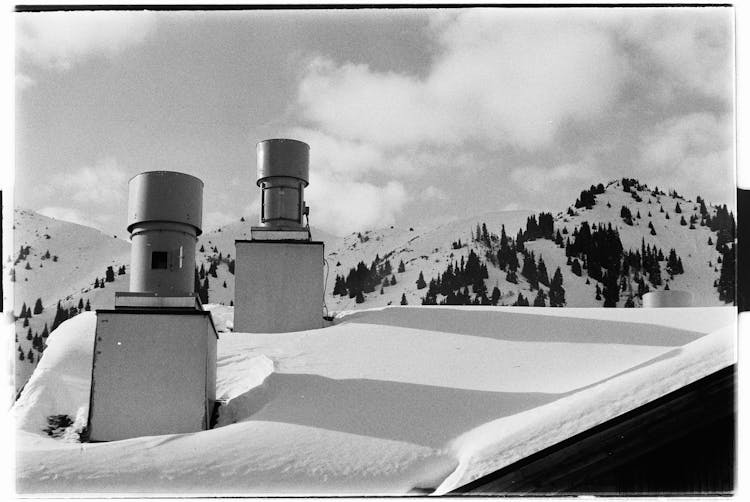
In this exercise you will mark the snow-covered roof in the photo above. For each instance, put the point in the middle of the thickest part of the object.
(386, 401)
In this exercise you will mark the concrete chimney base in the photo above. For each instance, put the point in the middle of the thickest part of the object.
(278, 286)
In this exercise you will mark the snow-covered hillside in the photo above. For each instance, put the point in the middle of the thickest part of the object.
(61, 261)
(394, 400)
(84, 254)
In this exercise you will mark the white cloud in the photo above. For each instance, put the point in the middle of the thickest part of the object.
(693, 154)
(60, 39)
(433, 193)
(546, 180)
(216, 219)
(496, 81)
(690, 48)
(336, 156)
(104, 183)
(23, 82)
(342, 207)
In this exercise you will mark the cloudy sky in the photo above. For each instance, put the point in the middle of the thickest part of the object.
(413, 116)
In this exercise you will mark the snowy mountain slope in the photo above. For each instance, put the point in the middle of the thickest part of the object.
(691, 245)
(85, 253)
(362, 407)
(64, 259)
(431, 252)
(422, 249)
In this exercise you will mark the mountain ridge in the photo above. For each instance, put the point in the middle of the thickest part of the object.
(77, 276)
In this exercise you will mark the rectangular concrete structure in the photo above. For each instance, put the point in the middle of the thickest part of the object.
(154, 372)
(278, 286)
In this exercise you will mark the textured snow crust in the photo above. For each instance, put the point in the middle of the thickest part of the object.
(386, 401)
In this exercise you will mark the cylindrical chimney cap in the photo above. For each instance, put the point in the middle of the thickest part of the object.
(283, 158)
(165, 196)
(668, 298)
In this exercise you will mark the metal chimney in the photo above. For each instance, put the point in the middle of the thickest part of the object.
(669, 298)
(279, 271)
(283, 174)
(164, 220)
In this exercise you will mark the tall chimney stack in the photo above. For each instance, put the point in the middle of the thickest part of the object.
(164, 220)
(279, 271)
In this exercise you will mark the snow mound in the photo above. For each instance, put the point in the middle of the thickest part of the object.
(222, 316)
(240, 380)
(61, 382)
(391, 401)
(480, 452)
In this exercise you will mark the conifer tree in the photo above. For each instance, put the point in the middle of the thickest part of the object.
(521, 301)
(421, 284)
(511, 277)
(529, 270)
(393, 280)
(28, 334)
(25, 321)
(495, 296)
(677, 208)
(541, 272)
(28, 266)
(21, 355)
(539, 301)
(23, 313)
(726, 282)
(45, 332)
(30, 356)
(403, 299)
(359, 298)
(556, 290)
(38, 308)
(109, 275)
(87, 307)
(401, 268)
(576, 267)
(382, 291)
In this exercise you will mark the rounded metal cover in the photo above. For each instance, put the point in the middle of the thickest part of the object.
(283, 157)
(669, 298)
(165, 196)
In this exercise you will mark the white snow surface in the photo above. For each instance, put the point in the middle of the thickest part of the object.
(386, 401)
